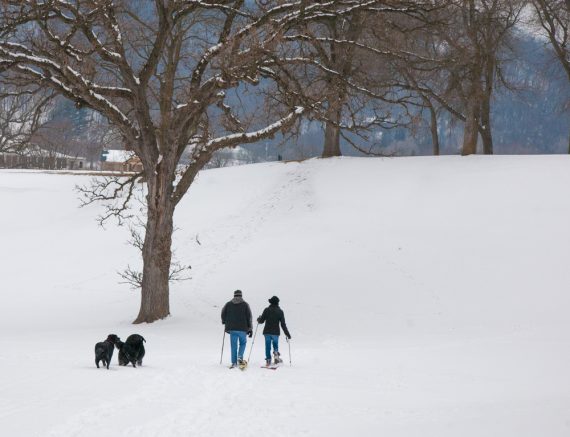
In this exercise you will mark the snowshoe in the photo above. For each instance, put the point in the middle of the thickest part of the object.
(276, 358)
(271, 367)
(242, 364)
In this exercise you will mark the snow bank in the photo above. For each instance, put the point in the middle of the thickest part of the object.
(426, 297)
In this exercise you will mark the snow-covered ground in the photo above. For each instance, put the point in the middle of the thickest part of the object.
(425, 296)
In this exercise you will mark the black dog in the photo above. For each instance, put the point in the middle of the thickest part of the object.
(104, 350)
(131, 351)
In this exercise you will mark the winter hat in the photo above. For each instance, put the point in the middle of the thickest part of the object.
(274, 300)
(237, 293)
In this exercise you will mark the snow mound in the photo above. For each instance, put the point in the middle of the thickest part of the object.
(425, 296)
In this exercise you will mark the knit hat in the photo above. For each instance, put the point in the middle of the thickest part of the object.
(237, 293)
(274, 300)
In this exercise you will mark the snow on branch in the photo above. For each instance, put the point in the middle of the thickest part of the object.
(202, 152)
(70, 81)
(251, 137)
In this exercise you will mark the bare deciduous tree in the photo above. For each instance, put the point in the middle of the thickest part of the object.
(455, 60)
(352, 70)
(162, 71)
(553, 16)
(22, 113)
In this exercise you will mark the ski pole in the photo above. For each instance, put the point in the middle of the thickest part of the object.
(252, 343)
(289, 343)
(223, 341)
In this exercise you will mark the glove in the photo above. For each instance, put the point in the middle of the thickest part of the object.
(249, 333)
(288, 336)
(259, 320)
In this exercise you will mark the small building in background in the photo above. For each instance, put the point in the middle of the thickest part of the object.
(123, 161)
(34, 157)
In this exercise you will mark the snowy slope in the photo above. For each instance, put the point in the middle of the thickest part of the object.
(426, 297)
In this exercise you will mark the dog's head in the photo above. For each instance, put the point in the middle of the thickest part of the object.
(112, 338)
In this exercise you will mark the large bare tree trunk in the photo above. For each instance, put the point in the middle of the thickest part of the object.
(486, 135)
(470, 132)
(487, 139)
(332, 130)
(473, 109)
(157, 252)
(432, 126)
(434, 134)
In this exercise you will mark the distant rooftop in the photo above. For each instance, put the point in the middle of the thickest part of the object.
(34, 150)
(114, 155)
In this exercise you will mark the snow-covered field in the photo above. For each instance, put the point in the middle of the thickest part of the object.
(425, 297)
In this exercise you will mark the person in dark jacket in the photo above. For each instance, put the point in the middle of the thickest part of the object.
(236, 316)
(273, 316)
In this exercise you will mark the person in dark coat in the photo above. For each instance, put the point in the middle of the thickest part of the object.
(236, 316)
(273, 316)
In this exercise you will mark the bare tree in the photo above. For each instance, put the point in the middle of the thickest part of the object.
(479, 40)
(455, 60)
(57, 137)
(161, 71)
(22, 113)
(338, 59)
(553, 16)
(352, 71)
(414, 56)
